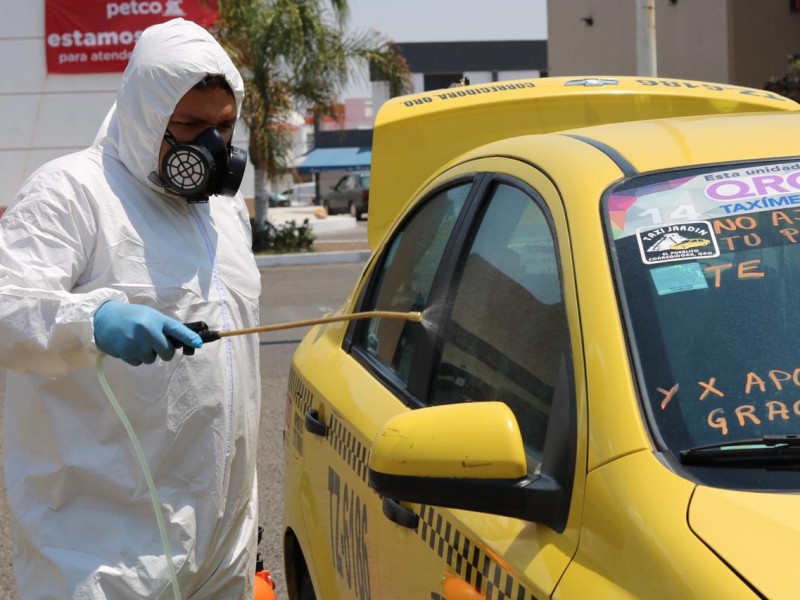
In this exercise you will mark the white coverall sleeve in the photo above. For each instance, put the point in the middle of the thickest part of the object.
(46, 241)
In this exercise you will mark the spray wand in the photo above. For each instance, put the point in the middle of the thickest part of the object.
(209, 335)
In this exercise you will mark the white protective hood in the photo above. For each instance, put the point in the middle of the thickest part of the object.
(87, 228)
(164, 66)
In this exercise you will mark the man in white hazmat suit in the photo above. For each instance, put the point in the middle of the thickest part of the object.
(104, 251)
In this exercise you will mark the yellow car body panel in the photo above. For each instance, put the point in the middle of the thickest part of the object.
(666, 144)
(637, 527)
(335, 463)
(635, 542)
(755, 532)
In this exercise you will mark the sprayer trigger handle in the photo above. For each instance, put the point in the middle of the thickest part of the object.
(198, 327)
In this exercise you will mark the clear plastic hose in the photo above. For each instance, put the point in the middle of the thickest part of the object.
(101, 376)
(215, 335)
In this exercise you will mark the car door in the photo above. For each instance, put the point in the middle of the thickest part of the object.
(327, 436)
(339, 197)
(503, 326)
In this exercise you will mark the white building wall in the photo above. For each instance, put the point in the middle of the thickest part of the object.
(41, 116)
(45, 116)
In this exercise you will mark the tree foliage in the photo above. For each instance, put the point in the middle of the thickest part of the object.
(788, 84)
(296, 55)
(287, 237)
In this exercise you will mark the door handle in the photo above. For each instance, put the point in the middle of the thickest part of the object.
(401, 515)
(314, 424)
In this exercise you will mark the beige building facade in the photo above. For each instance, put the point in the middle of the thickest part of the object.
(743, 42)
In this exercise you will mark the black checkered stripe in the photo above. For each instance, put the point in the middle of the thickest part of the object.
(301, 395)
(348, 446)
(468, 560)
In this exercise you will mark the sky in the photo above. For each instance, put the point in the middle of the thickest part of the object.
(447, 21)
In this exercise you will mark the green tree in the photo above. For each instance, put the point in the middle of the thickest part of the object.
(296, 55)
(787, 84)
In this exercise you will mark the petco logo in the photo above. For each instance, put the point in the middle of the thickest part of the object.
(170, 8)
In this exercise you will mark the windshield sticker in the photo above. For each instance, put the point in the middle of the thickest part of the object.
(708, 196)
(679, 278)
(684, 241)
(759, 188)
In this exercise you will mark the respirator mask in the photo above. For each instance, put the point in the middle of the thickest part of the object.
(204, 167)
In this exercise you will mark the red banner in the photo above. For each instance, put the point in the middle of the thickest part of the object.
(97, 36)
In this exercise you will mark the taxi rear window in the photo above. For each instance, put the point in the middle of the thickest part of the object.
(708, 272)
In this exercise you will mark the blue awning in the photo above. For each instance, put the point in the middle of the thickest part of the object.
(335, 159)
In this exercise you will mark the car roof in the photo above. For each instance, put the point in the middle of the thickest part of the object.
(415, 136)
(671, 143)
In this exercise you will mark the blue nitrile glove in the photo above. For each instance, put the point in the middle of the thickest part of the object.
(137, 334)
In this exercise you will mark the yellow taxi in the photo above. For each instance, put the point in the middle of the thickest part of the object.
(691, 243)
(587, 380)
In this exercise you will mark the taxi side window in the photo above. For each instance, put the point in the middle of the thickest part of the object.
(506, 332)
(405, 279)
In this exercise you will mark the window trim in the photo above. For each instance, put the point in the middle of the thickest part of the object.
(442, 290)
(421, 366)
(356, 328)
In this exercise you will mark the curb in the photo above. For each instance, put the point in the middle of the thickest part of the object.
(311, 258)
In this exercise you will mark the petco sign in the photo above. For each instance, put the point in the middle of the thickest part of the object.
(97, 36)
(142, 8)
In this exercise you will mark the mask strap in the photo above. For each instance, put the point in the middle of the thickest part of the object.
(170, 138)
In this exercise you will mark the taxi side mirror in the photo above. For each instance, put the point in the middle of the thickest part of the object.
(467, 456)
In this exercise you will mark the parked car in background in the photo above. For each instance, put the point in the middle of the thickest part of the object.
(350, 194)
(302, 194)
(601, 399)
(276, 199)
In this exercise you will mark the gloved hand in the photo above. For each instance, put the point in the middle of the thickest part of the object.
(137, 334)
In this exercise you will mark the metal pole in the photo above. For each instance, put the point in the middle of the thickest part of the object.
(646, 38)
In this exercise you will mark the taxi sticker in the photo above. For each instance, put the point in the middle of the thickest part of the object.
(681, 241)
(678, 278)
